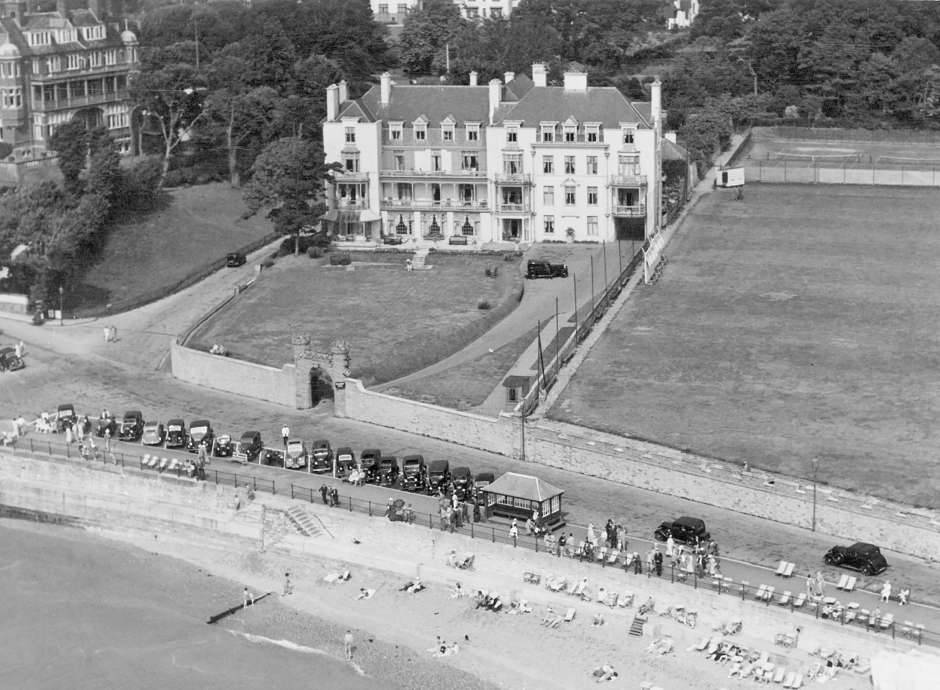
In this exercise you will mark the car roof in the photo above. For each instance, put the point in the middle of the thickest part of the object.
(483, 476)
(694, 523)
(251, 433)
(152, 423)
(200, 422)
(864, 546)
(438, 464)
(412, 458)
(461, 470)
(133, 413)
(177, 420)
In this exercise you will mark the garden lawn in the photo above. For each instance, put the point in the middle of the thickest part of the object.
(801, 322)
(192, 227)
(395, 321)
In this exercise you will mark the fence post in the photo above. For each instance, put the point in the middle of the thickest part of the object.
(30, 445)
(493, 530)
(536, 540)
(349, 503)
(430, 521)
(471, 529)
(370, 508)
(694, 580)
(68, 452)
(50, 448)
(672, 573)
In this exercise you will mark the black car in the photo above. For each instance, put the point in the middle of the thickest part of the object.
(860, 556)
(345, 461)
(200, 431)
(388, 470)
(480, 482)
(463, 483)
(393, 239)
(273, 457)
(543, 268)
(321, 456)
(9, 360)
(65, 417)
(132, 426)
(235, 259)
(371, 462)
(175, 433)
(224, 446)
(413, 473)
(248, 448)
(438, 475)
(685, 530)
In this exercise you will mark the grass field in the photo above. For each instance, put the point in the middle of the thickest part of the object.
(195, 226)
(802, 322)
(396, 322)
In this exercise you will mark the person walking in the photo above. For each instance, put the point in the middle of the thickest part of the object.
(288, 585)
(348, 645)
(514, 531)
(285, 434)
(886, 591)
(247, 599)
(324, 490)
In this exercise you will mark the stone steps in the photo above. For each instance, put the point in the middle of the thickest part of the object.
(302, 522)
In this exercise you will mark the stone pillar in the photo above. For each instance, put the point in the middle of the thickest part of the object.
(303, 364)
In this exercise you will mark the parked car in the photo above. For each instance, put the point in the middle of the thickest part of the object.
(200, 431)
(65, 417)
(275, 457)
(175, 433)
(463, 483)
(224, 446)
(248, 447)
(154, 434)
(9, 361)
(235, 259)
(345, 461)
(388, 470)
(866, 558)
(543, 268)
(393, 239)
(296, 455)
(132, 426)
(371, 462)
(414, 473)
(481, 481)
(321, 456)
(438, 476)
(685, 530)
(105, 424)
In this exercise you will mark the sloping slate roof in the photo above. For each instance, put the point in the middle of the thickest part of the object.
(552, 103)
(45, 20)
(673, 152)
(517, 88)
(407, 102)
(84, 17)
(523, 486)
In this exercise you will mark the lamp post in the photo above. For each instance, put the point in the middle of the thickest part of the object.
(61, 307)
(815, 470)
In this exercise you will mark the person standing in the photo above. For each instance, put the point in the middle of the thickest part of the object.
(285, 434)
(288, 585)
(514, 531)
(886, 591)
(247, 599)
(348, 645)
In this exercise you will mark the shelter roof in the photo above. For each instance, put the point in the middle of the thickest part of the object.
(523, 486)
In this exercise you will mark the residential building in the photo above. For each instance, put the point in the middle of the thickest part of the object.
(513, 161)
(685, 13)
(58, 66)
(395, 11)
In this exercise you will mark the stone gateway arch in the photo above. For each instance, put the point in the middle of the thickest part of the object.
(313, 370)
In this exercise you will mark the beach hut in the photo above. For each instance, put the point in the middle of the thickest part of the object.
(517, 495)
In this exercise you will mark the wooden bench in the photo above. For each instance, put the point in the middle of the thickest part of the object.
(458, 239)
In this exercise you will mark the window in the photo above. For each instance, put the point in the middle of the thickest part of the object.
(75, 61)
(95, 58)
(569, 195)
(549, 226)
(512, 165)
(399, 161)
(110, 57)
(548, 133)
(548, 164)
(592, 165)
(421, 132)
(592, 132)
(402, 8)
(628, 165)
(592, 226)
(571, 133)
(351, 162)
(512, 135)
(436, 162)
(383, 9)
(496, 12)
(394, 131)
(470, 161)
(628, 136)
(54, 64)
(548, 196)
(350, 135)
(473, 132)
(11, 98)
(592, 196)
(447, 132)
(473, 12)
(569, 165)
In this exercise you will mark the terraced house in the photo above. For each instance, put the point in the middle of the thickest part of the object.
(55, 67)
(514, 161)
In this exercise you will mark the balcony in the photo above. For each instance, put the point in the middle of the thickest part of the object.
(468, 174)
(80, 101)
(347, 205)
(623, 211)
(512, 207)
(440, 205)
(628, 180)
(351, 176)
(513, 178)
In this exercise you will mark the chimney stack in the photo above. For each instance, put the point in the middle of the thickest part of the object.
(496, 90)
(473, 78)
(509, 76)
(332, 102)
(60, 7)
(575, 81)
(385, 95)
(343, 92)
(656, 100)
(539, 74)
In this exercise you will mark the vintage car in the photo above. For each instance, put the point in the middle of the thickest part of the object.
(175, 433)
(543, 268)
(296, 455)
(132, 426)
(345, 461)
(9, 361)
(388, 470)
(106, 424)
(153, 434)
(235, 259)
(463, 483)
(438, 476)
(248, 448)
(224, 446)
(481, 481)
(200, 431)
(65, 417)
(685, 530)
(414, 473)
(275, 457)
(321, 456)
(371, 462)
(866, 558)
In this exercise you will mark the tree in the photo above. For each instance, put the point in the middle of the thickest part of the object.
(426, 33)
(70, 142)
(287, 178)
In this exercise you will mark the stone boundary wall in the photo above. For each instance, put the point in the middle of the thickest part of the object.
(234, 375)
(14, 303)
(807, 172)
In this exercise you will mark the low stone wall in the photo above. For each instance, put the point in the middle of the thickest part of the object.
(234, 375)
(13, 303)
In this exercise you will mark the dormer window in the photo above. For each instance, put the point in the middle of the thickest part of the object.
(421, 131)
(93, 33)
(447, 132)
(547, 132)
(592, 133)
(512, 135)
(473, 131)
(38, 38)
(628, 135)
(395, 130)
(350, 135)
(571, 134)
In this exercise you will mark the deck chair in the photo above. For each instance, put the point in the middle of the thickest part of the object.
(174, 463)
(613, 556)
(626, 599)
(611, 599)
(784, 598)
(759, 594)
(800, 600)
(781, 568)
(797, 681)
(863, 615)
(579, 588)
(788, 572)
(154, 461)
(601, 555)
(569, 615)
(769, 593)
(145, 461)
(779, 674)
(850, 583)
(886, 621)
(702, 644)
(843, 580)
(163, 463)
(579, 552)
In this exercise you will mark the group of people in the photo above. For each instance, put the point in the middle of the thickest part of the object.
(330, 495)
(701, 557)
(903, 594)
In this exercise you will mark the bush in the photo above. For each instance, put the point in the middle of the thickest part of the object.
(492, 271)
(267, 263)
(314, 252)
(484, 305)
(318, 240)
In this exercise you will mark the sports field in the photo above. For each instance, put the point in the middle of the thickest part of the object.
(843, 146)
(800, 322)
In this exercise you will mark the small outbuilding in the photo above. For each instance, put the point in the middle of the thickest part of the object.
(523, 496)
